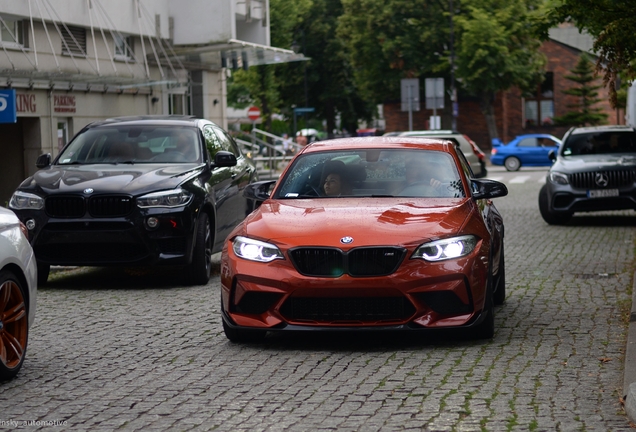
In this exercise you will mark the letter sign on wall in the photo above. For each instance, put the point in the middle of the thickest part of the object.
(8, 112)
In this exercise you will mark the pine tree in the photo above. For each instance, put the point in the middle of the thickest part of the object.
(583, 113)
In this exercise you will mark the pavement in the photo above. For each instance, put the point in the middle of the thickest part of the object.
(629, 379)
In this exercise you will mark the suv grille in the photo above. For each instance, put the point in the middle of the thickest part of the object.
(587, 180)
(98, 206)
(64, 206)
(332, 262)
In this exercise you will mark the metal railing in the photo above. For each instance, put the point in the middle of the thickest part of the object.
(268, 152)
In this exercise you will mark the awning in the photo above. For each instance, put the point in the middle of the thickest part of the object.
(232, 54)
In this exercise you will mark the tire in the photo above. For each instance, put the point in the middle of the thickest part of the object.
(551, 217)
(512, 163)
(43, 273)
(14, 325)
(239, 335)
(499, 297)
(199, 270)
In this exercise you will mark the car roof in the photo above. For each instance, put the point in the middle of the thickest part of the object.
(430, 132)
(605, 128)
(384, 142)
(174, 120)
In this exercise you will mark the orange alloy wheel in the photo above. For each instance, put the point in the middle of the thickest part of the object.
(13, 326)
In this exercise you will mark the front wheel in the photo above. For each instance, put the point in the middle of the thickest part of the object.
(512, 163)
(551, 217)
(199, 270)
(43, 273)
(14, 325)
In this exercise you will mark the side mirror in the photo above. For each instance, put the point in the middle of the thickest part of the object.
(484, 189)
(552, 155)
(43, 160)
(258, 191)
(224, 159)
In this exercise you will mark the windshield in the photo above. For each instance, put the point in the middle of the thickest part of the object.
(600, 143)
(133, 144)
(373, 173)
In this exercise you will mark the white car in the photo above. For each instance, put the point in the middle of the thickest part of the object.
(475, 157)
(18, 290)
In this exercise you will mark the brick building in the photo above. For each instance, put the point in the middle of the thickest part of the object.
(517, 114)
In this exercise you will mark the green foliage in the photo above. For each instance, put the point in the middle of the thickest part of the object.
(586, 92)
(613, 24)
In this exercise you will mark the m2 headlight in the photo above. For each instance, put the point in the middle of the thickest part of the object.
(445, 249)
(255, 250)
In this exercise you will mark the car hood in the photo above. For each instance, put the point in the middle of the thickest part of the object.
(582, 163)
(382, 221)
(107, 178)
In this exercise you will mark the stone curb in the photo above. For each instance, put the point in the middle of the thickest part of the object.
(629, 377)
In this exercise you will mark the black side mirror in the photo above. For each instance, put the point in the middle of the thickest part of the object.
(224, 159)
(552, 155)
(485, 188)
(259, 191)
(43, 160)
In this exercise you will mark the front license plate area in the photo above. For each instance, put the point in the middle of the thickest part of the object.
(602, 193)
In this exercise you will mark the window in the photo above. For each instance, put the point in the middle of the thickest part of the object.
(179, 103)
(12, 32)
(528, 142)
(73, 40)
(539, 106)
(124, 47)
(227, 143)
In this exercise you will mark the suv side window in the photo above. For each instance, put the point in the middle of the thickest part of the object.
(227, 143)
(212, 142)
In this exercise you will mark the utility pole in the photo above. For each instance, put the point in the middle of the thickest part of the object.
(453, 92)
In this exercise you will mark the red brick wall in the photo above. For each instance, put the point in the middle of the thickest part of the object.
(508, 106)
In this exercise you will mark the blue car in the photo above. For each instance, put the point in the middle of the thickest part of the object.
(524, 150)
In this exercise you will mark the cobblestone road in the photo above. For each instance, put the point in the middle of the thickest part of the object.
(129, 350)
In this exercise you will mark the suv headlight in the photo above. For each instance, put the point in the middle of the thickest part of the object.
(26, 201)
(255, 250)
(450, 248)
(559, 178)
(173, 198)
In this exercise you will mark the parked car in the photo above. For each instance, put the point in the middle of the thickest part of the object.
(384, 233)
(18, 291)
(594, 169)
(475, 157)
(525, 150)
(157, 190)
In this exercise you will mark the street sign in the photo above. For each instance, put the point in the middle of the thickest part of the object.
(254, 113)
(434, 93)
(410, 92)
(8, 113)
(304, 110)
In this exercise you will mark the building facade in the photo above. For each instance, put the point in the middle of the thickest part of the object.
(67, 63)
(518, 113)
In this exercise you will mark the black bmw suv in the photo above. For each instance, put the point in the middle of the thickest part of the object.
(594, 170)
(155, 190)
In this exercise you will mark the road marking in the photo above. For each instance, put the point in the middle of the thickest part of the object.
(520, 179)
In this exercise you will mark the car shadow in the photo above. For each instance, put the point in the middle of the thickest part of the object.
(590, 220)
(88, 278)
(364, 340)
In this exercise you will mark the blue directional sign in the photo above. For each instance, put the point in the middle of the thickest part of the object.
(8, 113)
(303, 110)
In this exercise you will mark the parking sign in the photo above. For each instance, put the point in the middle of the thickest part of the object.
(8, 113)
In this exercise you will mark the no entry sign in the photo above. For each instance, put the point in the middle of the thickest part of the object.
(254, 113)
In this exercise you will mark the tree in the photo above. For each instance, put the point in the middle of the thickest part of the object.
(584, 112)
(498, 50)
(613, 24)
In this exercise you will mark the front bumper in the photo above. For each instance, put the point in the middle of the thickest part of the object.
(419, 295)
(113, 241)
(567, 199)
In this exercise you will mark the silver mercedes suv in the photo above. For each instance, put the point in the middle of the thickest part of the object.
(594, 170)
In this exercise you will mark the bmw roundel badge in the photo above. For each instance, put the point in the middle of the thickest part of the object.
(346, 240)
(88, 191)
